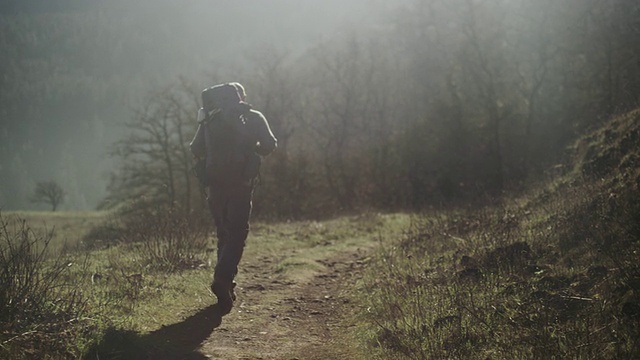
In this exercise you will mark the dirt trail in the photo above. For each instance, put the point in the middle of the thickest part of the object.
(275, 319)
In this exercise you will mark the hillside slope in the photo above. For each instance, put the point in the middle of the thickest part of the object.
(552, 274)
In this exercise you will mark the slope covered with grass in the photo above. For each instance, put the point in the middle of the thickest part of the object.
(551, 274)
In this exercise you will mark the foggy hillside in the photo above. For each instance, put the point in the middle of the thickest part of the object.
(73, 70)
(390, 105)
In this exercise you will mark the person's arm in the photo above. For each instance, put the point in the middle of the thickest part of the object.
(267, 142)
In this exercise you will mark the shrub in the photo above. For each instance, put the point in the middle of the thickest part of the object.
(41, 306)
(102, 236)
(166, 240)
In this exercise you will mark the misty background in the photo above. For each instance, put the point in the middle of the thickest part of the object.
(74, 70)
(376, 104)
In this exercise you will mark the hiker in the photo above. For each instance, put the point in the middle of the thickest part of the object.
(231, 138)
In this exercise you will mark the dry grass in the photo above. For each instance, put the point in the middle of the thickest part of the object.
(508, 288)
(553, 274)
(67, 228)
(42, 304)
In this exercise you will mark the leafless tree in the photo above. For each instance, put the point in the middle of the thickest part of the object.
(48, 192)
(154, 159)
(274, 88)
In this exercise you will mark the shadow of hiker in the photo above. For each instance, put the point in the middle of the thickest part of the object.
(175, 341)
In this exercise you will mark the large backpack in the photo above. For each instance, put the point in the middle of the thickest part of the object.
(223, 96)
(225, 136)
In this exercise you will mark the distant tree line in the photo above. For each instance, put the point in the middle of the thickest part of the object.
(450, 101)
(71, 71)
(455, 100)
(444, 101)
(58, 105)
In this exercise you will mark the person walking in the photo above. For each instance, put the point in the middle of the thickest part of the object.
(232, 138)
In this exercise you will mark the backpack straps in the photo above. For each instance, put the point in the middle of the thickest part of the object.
(206, 118)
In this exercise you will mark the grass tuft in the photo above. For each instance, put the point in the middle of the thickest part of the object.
(43, 310)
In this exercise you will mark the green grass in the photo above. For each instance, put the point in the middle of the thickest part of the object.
(68, 228)
(313, 240)
(127, 297)
(463, 284)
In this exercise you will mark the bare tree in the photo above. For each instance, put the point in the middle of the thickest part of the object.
(275, 89)
(154, 160)
(337, 128)
(48, 192)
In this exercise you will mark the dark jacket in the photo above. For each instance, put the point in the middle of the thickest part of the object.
(232, 143)
(260, 130)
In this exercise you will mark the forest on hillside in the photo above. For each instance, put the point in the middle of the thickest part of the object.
(73, 71)
(427, 103)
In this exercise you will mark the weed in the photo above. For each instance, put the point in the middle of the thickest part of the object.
(43, 310)
(167, 241)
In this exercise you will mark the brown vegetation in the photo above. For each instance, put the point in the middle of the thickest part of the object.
(555, 274)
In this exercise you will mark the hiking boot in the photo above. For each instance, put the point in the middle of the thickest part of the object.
(223, 291)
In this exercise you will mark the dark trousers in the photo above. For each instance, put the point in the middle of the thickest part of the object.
(230, 206)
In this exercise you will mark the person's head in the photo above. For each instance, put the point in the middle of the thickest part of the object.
(241, 92)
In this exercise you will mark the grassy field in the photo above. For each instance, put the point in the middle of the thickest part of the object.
(124, 292)
(67, 228)
(531, 279)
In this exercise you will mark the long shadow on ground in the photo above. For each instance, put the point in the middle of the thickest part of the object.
(177, 341)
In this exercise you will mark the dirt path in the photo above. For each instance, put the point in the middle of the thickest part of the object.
(276, 319)
(295, 299)
(273, 318)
